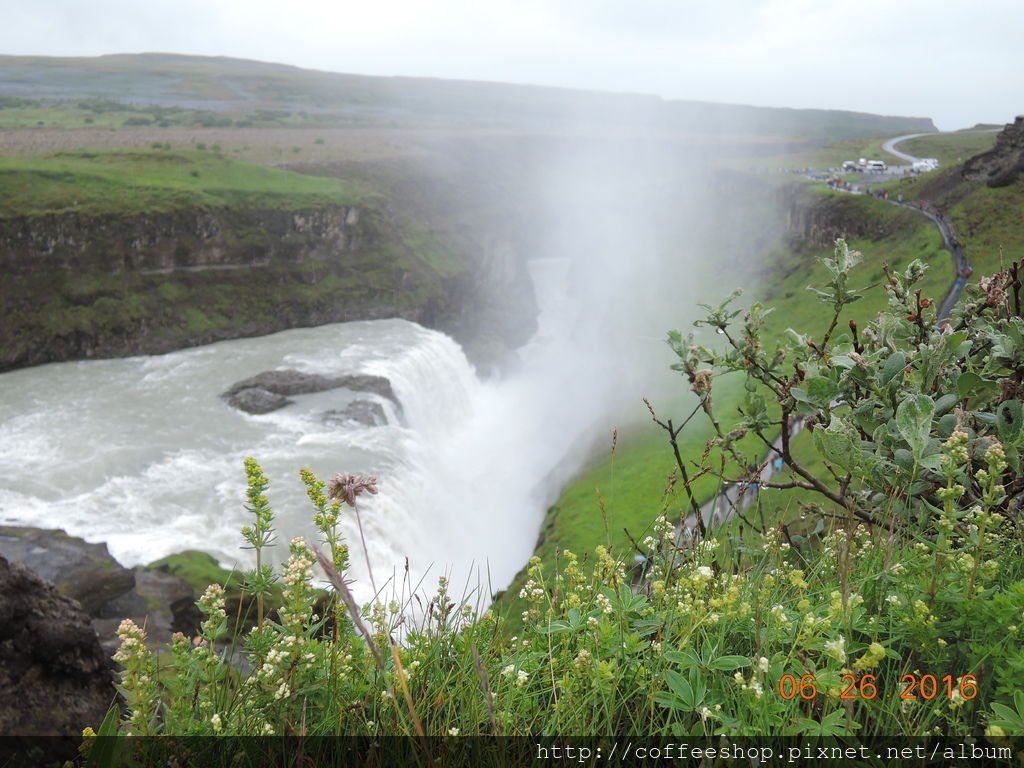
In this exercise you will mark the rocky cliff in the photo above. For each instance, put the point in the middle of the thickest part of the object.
(109, 285)
(818, 220)
(1004, 163)
(54, 677)
(178, 240)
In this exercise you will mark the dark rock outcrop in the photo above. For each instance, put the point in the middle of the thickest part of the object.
(84, 572)
(54, 676)
(257, 400)
(268, 391)
(178, 240)
(358, 413)
(1004, 163)
(819, 220)
(160, 602)
(106, 591)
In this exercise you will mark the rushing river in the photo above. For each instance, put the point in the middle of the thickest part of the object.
(144, 454)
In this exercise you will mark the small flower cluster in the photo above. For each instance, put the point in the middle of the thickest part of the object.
(138, 684)
(297, 592)
(521, 676)
(752, 685)
(211, 605)
(871, 657)
(836, 649)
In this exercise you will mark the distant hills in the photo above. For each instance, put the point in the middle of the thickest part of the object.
(241, 87)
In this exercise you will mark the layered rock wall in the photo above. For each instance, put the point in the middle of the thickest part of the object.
(187, 239)
(819, 220)
(1004, 163)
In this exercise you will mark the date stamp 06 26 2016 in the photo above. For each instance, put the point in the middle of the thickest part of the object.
(867, 687)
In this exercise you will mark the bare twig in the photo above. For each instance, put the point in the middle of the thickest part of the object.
(485, 686)
(673, 433)
(350, 604)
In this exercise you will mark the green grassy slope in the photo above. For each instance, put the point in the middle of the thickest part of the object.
(154, 181)
(631, 483)
(949, 148)
(248, 88)
(56, 313)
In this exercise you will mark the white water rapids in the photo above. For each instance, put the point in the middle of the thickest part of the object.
(143, 454)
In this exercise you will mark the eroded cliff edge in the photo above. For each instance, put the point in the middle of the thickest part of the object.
(81, 286)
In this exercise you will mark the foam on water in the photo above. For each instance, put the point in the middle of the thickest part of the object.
(143, 453)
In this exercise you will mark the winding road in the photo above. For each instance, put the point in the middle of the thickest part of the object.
(890, 146)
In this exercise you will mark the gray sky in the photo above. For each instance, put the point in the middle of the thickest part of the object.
(957, 61)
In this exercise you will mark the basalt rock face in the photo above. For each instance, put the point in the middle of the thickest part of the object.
(188, 239)
(92, 286)
(54, 676)
(818, 221)
(1004, 163)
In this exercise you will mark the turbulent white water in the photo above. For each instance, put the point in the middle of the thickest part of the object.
(143, 453)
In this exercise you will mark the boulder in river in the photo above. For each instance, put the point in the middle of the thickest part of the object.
(257, 393)
(257, 400)
(358, 413)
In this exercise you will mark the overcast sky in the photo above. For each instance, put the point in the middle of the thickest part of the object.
(959, 62)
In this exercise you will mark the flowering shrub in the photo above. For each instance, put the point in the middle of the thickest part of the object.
(903, 617)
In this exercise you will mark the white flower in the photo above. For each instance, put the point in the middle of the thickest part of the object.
(762, 664)
(218, 726)
(453, 731)
(837, 649)
(506, 671)
(521, 678)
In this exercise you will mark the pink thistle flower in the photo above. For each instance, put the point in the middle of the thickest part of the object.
(347, 488)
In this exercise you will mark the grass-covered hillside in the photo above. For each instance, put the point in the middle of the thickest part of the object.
(122, 252)
(898, 616)
(948, 148)
(164, 90)
(616, 499)
(156, 180)
(951, 148)
(623, 491)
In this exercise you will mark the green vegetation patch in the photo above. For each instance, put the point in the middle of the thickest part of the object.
(950, 148)
(141, 181)
(631, 483)
(831, 155)
(910, 589)
(199, 569)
